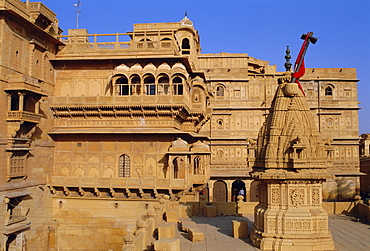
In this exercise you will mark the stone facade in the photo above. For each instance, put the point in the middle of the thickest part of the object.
(104, 130)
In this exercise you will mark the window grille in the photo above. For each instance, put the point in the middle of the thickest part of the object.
(17, 164)
(124, 166)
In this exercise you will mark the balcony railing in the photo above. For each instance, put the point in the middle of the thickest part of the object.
(132, 100)
(23, 116)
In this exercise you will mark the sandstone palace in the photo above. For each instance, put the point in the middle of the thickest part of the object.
(100, 130)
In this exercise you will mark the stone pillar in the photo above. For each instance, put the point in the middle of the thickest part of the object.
(210, 190)
(229, 184)
(37, 107)
(248, 190)
(9, 102)
(21, 101)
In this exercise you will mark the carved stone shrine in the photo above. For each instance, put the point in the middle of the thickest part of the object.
(291, 166)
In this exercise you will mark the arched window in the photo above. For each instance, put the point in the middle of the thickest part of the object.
(166, 42)
(328, 91)
(185, 46)
(177, 86)
(145, 43)
(122, 86)
(135, 85)
(124, 166)
(149, 85)
(163, 85)
(220, 91)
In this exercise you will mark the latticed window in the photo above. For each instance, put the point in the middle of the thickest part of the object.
(17, 164)
(124, 166)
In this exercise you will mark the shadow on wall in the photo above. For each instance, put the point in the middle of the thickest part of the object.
(340, 189)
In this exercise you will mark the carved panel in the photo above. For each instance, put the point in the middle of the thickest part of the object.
(315, 196)
(296, 197)
(271, 225)
(275, 195)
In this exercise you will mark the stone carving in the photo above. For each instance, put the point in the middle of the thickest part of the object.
(290, 167)
(296, 197)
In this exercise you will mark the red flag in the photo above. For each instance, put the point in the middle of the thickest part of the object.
(299, 68)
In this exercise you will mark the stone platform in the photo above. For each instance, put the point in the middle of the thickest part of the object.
(348, 234)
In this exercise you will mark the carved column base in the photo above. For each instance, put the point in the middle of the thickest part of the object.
(290, 217)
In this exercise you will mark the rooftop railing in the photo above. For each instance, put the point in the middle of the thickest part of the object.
(117, 41)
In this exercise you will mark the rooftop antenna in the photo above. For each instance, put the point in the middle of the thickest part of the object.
(77, 5)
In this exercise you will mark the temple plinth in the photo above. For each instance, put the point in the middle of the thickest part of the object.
(291, 167)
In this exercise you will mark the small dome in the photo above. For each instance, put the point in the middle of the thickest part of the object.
(121, 68)
(200, 145)
(186, 22)
(150, 67)
(179, 143)
(136, 67)
(164, 66)
(179, 65)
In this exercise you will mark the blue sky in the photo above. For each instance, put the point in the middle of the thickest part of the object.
(261, 28)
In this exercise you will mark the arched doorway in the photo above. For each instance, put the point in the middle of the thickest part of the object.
(238, 188)
(219, 191)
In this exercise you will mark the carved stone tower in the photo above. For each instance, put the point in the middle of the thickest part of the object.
(291, 167)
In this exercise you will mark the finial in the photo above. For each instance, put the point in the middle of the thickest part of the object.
(288, 65)
(77, 5)
(186, 13)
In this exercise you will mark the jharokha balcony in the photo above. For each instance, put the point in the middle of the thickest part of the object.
(24, 116)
